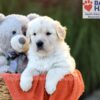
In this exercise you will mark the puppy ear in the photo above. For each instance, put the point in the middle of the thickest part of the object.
(2, 17)
(60, 30)
(32, 16)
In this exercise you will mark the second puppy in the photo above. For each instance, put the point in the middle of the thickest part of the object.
(48, 53)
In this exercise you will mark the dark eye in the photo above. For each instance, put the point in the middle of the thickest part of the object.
(24, 33)
(34, 34)
(13, 32)
(48, 33)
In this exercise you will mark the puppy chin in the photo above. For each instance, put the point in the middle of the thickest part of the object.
(43, 52)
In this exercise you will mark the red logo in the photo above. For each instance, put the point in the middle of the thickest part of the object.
(87, 5)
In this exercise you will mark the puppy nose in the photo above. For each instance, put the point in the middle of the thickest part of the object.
(22, 40)
(39, 44)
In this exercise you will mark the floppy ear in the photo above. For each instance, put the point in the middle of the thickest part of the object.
(32, 16)
(60, 30)
(2, 17)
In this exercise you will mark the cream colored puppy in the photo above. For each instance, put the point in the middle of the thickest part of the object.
(48, 53)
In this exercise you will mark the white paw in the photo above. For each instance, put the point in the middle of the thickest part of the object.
(26, 84)
(50, 87)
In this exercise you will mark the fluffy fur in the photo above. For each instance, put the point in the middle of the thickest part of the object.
(22, 47)
(53, 58)
(10, 26)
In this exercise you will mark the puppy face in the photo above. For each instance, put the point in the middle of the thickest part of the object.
(45, 34)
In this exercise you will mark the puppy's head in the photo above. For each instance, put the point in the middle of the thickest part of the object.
(45, 34)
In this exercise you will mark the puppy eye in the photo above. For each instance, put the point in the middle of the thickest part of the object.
(34, 34)
(48, 33)
(13, 32)
(24, 33)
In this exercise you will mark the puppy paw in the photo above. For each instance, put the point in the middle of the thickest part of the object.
(50, 87)
(26, 84)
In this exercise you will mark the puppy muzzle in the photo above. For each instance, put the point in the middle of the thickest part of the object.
(40, 45)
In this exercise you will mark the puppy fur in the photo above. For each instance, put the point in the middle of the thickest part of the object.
(53, 58)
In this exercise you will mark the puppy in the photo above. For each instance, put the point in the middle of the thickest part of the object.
(48, 53)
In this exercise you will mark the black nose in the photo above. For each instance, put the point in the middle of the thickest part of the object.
(22, 40)
(39, 44)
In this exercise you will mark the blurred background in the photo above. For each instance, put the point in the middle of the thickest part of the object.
(83, 35)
